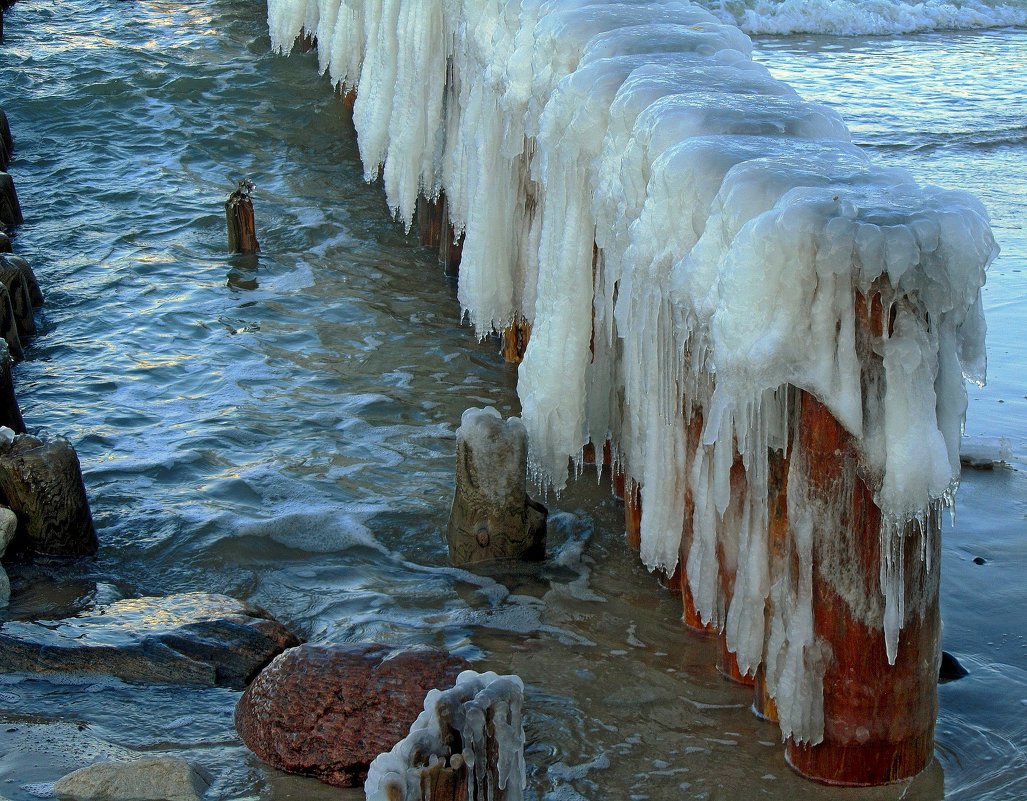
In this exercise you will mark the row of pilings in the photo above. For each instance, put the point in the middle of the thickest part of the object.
(879, 718)
(43, 504)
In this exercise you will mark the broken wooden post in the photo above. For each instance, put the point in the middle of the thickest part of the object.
(242, 231)
(492, 516)
(467, 745)
(10, 208)
(10, 411)
(429, 216)
(41, 481)
(633, 513)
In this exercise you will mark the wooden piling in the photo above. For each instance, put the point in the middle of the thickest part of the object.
(515, 341)
(633, 513)
(10, 208)
(242, 232)
(878, 718)
(6, 139)
(12, 262)
(9, 325)
(17, 287)
(10, 411)
(41, 481)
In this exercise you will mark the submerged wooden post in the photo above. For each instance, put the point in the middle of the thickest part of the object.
(9, 325)
(17, 286)
(242, 232)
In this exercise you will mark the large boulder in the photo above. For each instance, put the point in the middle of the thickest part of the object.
(148, 779)
(327, 711)
(195, 639)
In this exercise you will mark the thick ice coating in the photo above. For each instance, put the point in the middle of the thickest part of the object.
(455, 722)
(692, 243)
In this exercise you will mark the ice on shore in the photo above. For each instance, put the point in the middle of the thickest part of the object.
(688, 239)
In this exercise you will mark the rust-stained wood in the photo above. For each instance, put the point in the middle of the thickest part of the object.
(879, 718)
(633, 513)
(515, 343)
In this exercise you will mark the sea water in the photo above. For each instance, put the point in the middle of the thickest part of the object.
(281, 429)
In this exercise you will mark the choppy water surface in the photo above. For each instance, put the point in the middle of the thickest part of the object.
(281, 429)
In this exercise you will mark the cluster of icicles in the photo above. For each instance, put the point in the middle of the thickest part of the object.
(685, 235)
(479, 720)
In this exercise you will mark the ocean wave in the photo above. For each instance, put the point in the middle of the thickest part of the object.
(867, 17)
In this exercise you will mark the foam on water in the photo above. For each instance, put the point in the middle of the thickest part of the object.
(859, 18)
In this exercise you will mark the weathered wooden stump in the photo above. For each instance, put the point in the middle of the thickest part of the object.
(10, 411)
(41, 481)
(242, 231)
(10, 208)
(12, 262)
(9, 325)
(6, 140)
(492, 516)
(18, 289)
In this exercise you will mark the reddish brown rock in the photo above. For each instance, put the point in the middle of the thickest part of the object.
(328, 710)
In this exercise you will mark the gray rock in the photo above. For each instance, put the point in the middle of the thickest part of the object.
(8, 526)
(195, 639)
(492, 516)
(149, 779)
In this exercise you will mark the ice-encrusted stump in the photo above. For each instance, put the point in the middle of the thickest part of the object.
(467, 745)
(41, 481)
(492, 516)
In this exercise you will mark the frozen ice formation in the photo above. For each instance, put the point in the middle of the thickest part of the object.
(458, 722)
(691, 242)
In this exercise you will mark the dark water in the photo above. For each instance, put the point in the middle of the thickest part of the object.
(281, 429)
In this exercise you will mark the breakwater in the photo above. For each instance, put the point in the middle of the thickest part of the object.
(771, 331)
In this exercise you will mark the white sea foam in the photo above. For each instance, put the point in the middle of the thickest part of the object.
(865, 17)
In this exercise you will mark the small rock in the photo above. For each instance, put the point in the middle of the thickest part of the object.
(980, 560)
(327, 711)
(149, 779)
(950, 669)
(196, 639)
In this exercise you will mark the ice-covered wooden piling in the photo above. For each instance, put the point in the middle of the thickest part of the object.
(467, 745)
(714, 277)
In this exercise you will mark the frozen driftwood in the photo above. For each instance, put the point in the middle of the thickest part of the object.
(492, 515)
(467, 745)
